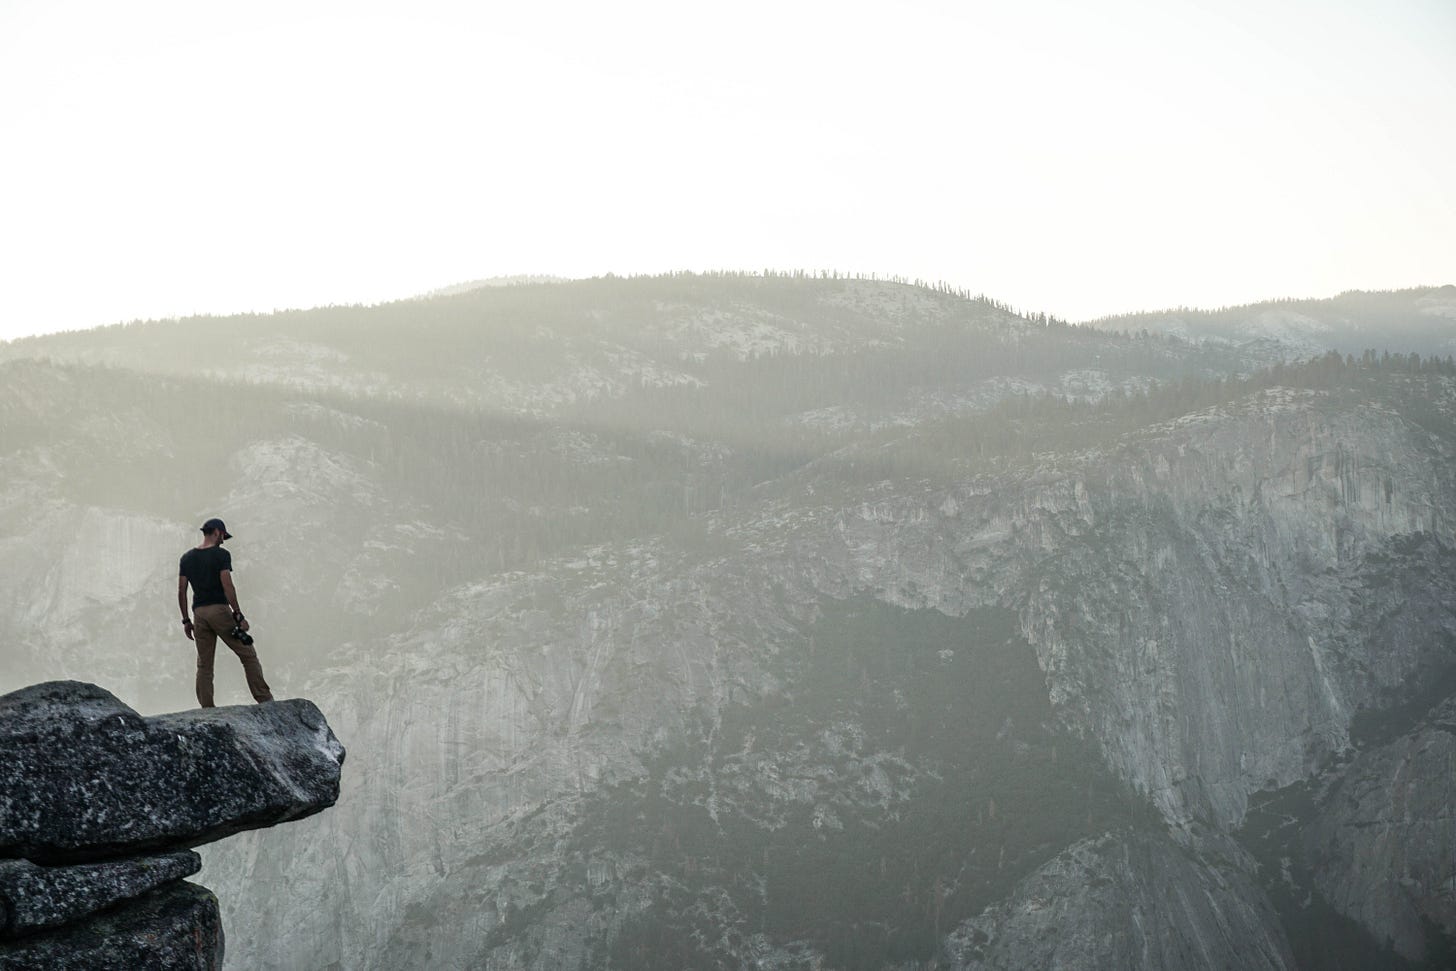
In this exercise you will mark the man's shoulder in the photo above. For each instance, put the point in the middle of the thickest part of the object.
(208, 554)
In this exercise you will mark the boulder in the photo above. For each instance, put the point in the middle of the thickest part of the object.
(84, 778)
(175, 928)
(34, 898)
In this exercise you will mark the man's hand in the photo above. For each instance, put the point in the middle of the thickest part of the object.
(244, 623)
(182, 606)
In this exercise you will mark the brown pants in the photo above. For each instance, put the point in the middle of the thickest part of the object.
(208, 624)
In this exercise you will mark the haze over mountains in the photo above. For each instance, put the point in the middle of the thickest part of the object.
(787, 621)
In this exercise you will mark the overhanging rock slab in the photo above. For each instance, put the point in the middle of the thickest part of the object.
(83, 777)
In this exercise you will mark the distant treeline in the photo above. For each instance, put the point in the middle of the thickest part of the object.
(1363, 302)
(937, 286)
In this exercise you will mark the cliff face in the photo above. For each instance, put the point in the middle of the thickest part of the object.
(99, 806)
(1212, 601)
(1220, 604)
(1210, 606)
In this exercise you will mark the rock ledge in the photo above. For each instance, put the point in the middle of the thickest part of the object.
(99, 809)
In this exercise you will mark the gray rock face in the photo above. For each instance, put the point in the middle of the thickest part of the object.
(34, 898)
(176, 928)
(1384, 846)
(86, 778)
(1125, 901)
(1212, 603)
(1205, 598)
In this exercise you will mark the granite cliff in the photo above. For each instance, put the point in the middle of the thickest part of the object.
(100, 807)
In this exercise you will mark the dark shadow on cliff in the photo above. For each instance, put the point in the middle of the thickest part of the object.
(1320, 936)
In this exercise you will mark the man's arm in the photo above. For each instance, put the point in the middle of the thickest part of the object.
(182, 605)
(232, 597)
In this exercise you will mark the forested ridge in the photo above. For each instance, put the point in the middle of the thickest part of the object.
(1417, 320)
(538, 347)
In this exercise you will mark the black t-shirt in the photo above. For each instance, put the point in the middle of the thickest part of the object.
(203, 569)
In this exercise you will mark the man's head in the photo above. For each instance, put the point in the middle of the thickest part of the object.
(215, 530)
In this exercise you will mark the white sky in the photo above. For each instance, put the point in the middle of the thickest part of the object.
(1082, 158)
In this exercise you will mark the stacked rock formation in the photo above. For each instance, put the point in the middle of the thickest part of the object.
(99, 809)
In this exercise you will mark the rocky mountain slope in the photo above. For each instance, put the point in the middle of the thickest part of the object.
(777, 622)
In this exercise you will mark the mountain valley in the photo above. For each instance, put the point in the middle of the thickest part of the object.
(784, 621)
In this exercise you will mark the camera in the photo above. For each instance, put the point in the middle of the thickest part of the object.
(241, 634)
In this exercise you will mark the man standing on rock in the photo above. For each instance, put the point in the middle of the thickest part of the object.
(209, 568)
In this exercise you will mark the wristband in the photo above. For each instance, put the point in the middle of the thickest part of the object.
(186, 622)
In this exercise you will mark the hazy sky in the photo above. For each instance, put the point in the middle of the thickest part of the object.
(1081, 158)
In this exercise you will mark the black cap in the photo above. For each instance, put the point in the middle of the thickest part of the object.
(213, 524)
